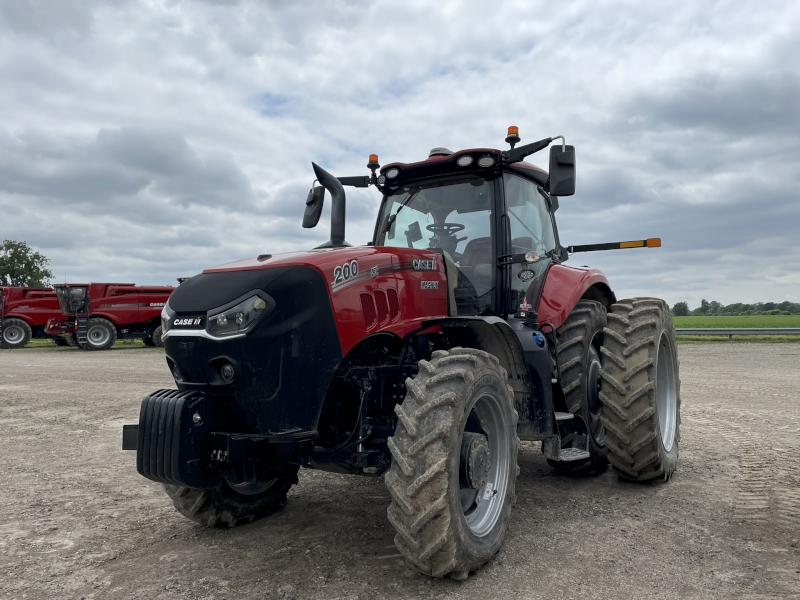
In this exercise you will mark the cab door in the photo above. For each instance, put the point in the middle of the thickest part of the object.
(530, 229)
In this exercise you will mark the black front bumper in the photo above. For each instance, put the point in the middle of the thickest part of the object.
(181, 439)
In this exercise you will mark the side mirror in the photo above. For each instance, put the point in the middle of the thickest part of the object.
(314, 201)
(562, 170)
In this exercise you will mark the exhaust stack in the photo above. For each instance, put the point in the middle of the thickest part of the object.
(338, 202)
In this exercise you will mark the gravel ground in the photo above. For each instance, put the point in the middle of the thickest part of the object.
(79, 522)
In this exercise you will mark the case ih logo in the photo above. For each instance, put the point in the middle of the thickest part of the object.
(184, 322)
(424, 265)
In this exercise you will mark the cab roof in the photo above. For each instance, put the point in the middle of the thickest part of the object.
(444, 164)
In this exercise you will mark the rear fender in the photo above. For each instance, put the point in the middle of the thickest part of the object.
(527, 364)
(565, 286)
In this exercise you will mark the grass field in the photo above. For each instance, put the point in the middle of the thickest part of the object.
(748, 321)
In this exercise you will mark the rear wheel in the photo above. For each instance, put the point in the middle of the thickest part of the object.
(579, 345)
(100, 334)
(232, 505)
(640, 390)
(454, 463)
(16, 334)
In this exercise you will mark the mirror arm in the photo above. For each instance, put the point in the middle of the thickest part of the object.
(517, 154)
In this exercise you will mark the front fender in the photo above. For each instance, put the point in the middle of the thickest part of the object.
(563, 288)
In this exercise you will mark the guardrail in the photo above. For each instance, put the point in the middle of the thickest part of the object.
(732, 331)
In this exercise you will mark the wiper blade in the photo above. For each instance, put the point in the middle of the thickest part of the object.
(392, 218)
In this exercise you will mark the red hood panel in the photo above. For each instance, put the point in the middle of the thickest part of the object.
(372, 289)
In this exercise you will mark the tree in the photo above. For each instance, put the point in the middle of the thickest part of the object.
(681, 309)
(22, 266)
(704, 307)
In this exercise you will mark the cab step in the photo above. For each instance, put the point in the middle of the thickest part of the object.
(82, 330)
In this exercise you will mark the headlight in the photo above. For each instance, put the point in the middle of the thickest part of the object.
(239, 318)
(166, 318)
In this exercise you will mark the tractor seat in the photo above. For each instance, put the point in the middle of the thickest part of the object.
(476, 263)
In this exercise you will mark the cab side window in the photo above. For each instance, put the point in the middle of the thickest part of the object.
(531, 230)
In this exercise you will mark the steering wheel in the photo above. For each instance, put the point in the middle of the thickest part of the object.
(445, 228)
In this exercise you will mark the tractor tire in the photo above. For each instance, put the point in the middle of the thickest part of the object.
(157, 341)
(224, 506)
(59, 341)
(640, 390)
(16, 334)
(454, 463)
(579, 345)
(100, 334)
(70, 340)
(148, 341)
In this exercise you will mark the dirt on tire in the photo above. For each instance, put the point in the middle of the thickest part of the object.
(423, 481)
(639, 335)
(223, 506)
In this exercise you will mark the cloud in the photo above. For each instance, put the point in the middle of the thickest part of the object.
(155, 138)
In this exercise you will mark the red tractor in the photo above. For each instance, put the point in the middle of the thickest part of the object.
(24, 312)
(97, 314)
(424, 356)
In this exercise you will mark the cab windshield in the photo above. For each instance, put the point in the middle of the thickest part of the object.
(453, 217)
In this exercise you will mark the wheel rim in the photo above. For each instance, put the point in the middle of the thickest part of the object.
(252, 488)
(666, 393)
(481, 508)
(98, 335)
(13, 334)
(595, 407)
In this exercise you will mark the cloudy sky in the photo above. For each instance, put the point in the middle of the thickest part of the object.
(146, 140)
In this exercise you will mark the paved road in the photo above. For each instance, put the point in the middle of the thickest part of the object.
(78, 522)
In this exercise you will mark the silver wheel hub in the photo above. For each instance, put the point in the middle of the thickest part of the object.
(595, 407)
(98, 335)
(475, 460)
(666, 393)
(12, 333)
(485, 465)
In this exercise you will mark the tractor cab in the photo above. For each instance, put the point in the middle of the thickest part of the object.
(494, 229)
(73, 299)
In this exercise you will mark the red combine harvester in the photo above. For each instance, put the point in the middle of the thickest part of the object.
(98, 314)
(24, 312)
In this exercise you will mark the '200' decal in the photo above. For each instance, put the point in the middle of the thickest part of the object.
(345, 272)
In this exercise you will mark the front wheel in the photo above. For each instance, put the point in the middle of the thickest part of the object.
(640, 390)
(454, 463)
(100, 335)
(16, 334)
(232, 505)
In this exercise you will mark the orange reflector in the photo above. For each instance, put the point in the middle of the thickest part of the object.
(373, 158)
(513, 130)
(636, 244)
(654, 242)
